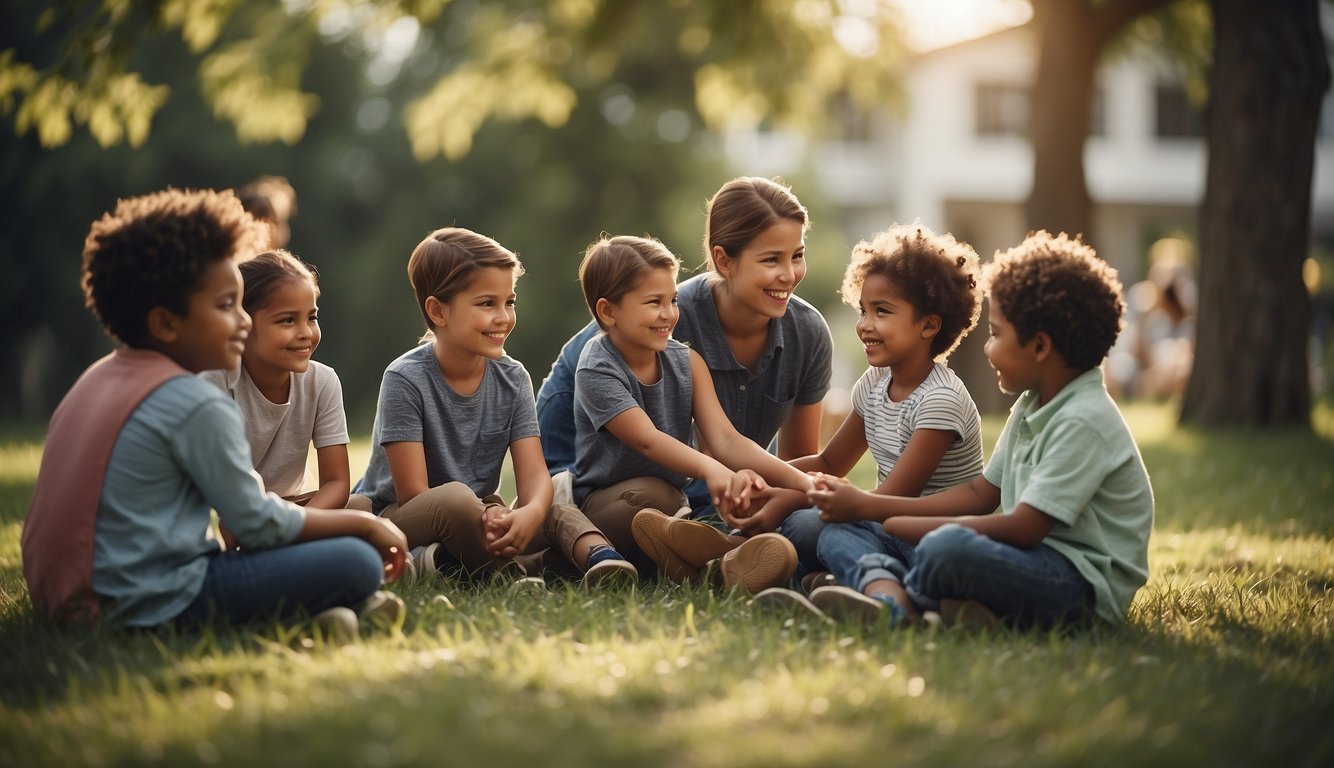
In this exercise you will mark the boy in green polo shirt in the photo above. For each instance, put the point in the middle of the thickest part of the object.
(1071, 542)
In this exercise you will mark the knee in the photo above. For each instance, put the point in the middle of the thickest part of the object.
(358, 562)
(654, 493)
(947, 544)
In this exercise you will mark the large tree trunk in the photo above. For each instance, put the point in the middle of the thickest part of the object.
(1071, 37)
(1269, 74)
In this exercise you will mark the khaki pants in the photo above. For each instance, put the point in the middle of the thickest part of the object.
(452, 515)
(612, 508)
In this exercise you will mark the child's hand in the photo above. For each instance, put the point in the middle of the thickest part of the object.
(774, 506)
(494, 522)
(392, 545)
(837, 498)
(520, 527)
(735, 501)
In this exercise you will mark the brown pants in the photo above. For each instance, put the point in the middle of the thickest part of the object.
(452, 515)
(612, 508)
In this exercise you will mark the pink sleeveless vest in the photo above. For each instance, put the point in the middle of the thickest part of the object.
(57, 541)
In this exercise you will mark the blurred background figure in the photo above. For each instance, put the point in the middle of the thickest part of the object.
(1166, 335)
(271, 199)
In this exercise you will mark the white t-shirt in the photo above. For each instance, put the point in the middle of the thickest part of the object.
(280, 434)
(940, 402)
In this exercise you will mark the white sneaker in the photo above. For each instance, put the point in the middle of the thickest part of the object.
(384, 611)
(337, 625)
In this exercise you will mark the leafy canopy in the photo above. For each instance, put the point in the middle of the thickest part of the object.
(511, 60)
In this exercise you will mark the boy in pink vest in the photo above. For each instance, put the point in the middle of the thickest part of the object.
(140, 450)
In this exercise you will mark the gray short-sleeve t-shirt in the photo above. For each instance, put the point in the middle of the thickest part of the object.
(794, 369)
(465, 438)
(604, 388)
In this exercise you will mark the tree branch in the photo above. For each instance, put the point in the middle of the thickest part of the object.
(1112, 17)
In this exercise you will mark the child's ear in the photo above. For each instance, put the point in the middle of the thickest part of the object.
(1042, 346)
(163, 324)
(722, 263)
(606, 313)
(436, 311)
(930, 326)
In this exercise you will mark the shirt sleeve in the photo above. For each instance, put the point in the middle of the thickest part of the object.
(939, 409)
(401, 410)
(330, 418)
(602, 394)
(212, 449)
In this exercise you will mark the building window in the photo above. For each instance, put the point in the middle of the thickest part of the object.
(1177, 117)
(1002, 110)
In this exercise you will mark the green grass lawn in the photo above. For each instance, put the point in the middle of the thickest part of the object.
(1225, 660)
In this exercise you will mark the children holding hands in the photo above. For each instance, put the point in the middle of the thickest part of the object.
(140, 450)
(1071, 542)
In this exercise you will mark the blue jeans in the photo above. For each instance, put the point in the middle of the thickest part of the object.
(861, 552)
(555, 403)
(298, 579)
(1035, 587)
(803, 528)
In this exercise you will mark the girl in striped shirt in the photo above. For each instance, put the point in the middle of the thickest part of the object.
(917, 296)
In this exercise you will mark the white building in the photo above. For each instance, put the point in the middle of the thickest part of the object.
(959, 160)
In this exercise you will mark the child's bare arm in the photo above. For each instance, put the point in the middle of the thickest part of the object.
(840, 501)
(1025, 528)
(722, 439)
(334, 476)
(914, 468)
(845, 448)
(634, 428)
(407, 465)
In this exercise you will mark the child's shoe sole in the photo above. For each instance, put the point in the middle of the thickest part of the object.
(846, 604)
(650, 530)
(787, 601)
(384, 611)
(762, 561)
(338, 625)
(611, 574)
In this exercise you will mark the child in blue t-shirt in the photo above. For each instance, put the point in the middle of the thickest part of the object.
(450, 409)
(1071, 542)
(637, 393)
(140, 451)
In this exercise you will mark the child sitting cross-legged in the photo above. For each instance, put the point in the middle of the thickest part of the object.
(140, 450)
(917, 296)
(1070, 545)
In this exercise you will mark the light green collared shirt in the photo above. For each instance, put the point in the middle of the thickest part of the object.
(1075, 460)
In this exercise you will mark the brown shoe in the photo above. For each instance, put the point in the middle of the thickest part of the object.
(763, 561)
(680, 548)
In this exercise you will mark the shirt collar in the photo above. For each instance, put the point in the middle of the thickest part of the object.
(1037, 416)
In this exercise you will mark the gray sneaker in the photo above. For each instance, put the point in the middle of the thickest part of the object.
(787, 601)
(337, 625)
(847, 604)
(423, 561)
(384, 611)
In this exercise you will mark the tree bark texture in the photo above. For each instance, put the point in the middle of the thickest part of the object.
(1269, 75)
(1071, 37)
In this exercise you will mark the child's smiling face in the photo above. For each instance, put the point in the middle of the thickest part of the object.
(1016, 368)
(480, 317)
(887, 324)
(646, 315)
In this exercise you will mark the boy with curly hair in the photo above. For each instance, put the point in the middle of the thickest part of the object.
(1071, 542)
(917, 296)
(140, 450)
